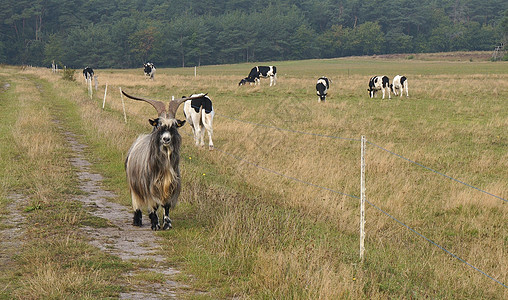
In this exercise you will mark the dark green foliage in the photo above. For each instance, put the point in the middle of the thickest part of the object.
(120, 34)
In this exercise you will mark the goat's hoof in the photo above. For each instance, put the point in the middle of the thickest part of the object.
(156, 227)
(167, 223)
(138, 224)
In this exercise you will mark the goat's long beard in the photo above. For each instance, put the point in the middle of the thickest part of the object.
(166, 179)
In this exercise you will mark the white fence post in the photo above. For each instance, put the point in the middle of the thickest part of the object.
(362, 201)
(195, 71)
(89, 83)
(123, 105)
(105, 92)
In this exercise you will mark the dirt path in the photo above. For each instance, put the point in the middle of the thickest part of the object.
(12, 227)
(121, 238)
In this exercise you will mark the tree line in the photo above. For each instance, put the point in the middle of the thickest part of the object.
(170, 33)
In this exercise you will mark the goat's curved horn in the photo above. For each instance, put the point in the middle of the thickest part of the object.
(158, 105)
(174, 104)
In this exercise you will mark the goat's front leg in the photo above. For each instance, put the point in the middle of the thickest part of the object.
(167, 220)
(154, 218)
(137, 220)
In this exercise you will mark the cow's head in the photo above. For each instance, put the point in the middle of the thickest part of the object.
(371, 92)
(243, 81)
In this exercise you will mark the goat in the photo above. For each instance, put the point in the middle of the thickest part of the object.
(152, 165)
(199, 113)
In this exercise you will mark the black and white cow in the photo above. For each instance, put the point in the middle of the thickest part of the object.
(261, 71)
(149, 69)
(377, 83)
(399, 83)
(199, 114)
(322, 86)
(88, 73)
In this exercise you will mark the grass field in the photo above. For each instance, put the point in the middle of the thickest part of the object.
(241, 231)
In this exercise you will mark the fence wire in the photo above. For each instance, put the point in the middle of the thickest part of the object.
(240, 159)
(358, 140)
(289, 130)
(285, 176)
(435, 244)
(437, 172)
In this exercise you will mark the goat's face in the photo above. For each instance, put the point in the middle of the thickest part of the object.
(165, 131)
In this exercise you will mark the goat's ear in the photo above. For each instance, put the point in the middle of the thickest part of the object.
(180, 123)
(153, 122)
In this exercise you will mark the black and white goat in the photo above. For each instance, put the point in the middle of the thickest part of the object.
(149, 70)
(322, 86)
(152, 165)
(399, 83)
(261, 71)
(377, 83)
(199, 114)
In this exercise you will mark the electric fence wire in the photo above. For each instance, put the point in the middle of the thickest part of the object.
(437, 172)
(289, 130)
(240, 159)
(435, 244)
(358, 140)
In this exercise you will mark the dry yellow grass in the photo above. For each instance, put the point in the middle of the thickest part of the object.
(51, 261)
(300, 242)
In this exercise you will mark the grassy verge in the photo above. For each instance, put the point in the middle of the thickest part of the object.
(54, 260)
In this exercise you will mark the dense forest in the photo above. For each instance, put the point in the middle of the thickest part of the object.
(127, 33)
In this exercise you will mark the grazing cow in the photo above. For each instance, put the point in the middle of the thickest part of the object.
(88, 73)
(322, 86)
(399, 83)
(149, 69)
(152, 165)
(377, 83)
(199, 113)
(261, 71)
